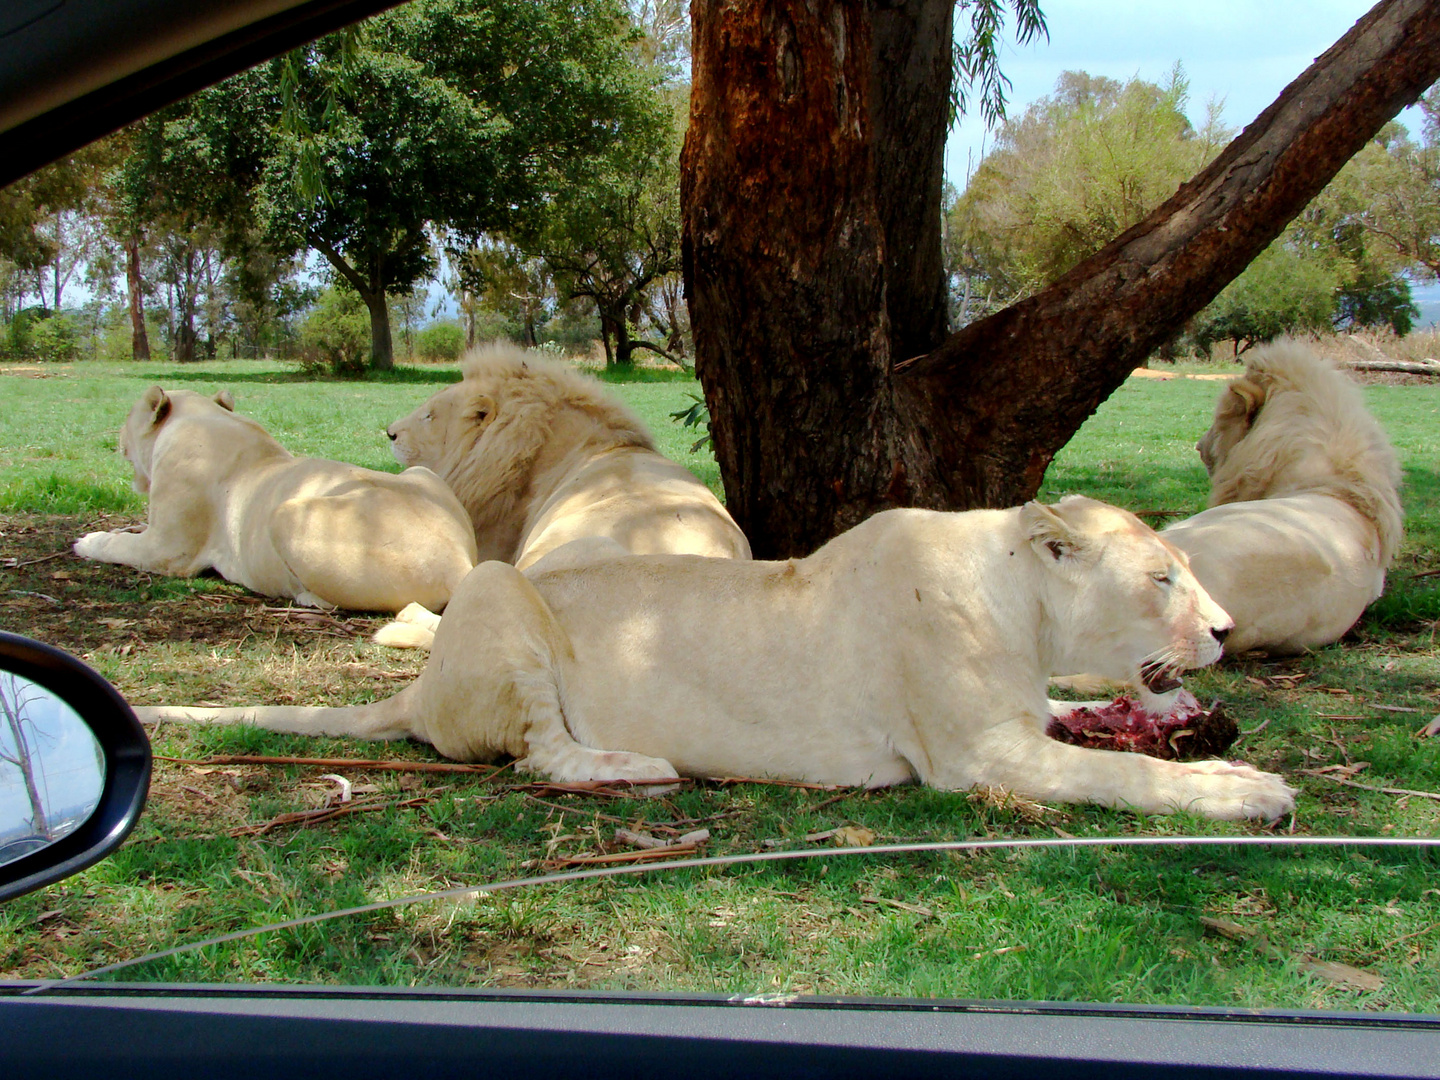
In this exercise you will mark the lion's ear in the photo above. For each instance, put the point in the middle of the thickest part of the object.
(225, 399)
(482, 408)
(158, 404)
(1250, 396)
(1051, 536)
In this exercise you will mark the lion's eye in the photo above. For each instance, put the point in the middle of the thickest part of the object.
(1160, 577)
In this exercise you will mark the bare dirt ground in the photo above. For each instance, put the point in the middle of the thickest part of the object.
(48, 592)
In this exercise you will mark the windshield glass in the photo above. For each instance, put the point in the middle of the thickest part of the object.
(254, 290)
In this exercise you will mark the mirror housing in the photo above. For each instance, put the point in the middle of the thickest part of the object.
(127, 764)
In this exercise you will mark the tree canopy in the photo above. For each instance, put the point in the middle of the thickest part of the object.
(462, 115)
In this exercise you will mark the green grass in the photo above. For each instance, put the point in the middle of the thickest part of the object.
(1093, 925)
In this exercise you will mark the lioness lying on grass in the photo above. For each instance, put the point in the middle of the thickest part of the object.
(224, 494)
(916, 646)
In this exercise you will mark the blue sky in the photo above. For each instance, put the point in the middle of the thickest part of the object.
(1242, 53)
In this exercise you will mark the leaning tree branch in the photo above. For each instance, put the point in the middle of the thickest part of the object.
(1044, 358)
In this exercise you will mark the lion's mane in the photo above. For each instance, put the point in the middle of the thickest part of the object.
(545, 413)
(1309, 433)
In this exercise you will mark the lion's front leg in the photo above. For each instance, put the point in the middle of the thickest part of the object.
(1018, 756)
(150, 550)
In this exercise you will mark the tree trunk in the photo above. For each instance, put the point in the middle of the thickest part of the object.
(185, 301)
(624, 352)
(811, 248)
(382, 352)
(139, 338)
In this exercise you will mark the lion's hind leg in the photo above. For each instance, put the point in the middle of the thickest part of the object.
(493, 680)
(356, 551)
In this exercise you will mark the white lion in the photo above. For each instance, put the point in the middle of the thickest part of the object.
(544, 459)
(1305, 516)
(916, 646)
(224, 494)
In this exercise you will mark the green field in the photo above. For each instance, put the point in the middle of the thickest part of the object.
(1093, 925)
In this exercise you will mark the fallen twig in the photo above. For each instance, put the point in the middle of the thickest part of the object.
(608, 789)
(16, 564)
(1409, 367)
(638, 839)
(673, 851)
(37, 595)
(325, 813)
(1329, 970)
(914, 909)
(341, 763)
(836, 798)
(1370, 787)
(726, 781)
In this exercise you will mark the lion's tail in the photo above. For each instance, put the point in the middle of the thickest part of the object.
(403, 635)
(387, 719)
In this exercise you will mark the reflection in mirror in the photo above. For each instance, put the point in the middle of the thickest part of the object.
(52, 770)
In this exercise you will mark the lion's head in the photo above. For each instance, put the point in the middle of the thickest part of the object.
(137, 435)
(514, 416)
(1125, 603)
(1294, 424)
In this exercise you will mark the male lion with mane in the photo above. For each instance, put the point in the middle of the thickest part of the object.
(223, 494)
(915, 646)
(543, 459)
(1305, 514)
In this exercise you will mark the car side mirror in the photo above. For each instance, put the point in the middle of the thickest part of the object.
(74, 766)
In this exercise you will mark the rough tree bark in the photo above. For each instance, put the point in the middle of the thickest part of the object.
(811, 248)
(139, 338)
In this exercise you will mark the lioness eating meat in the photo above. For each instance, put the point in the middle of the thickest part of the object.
(224, 494)
(916, 646)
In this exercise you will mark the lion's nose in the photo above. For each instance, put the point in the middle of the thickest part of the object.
(393, 434)
(1220, 633)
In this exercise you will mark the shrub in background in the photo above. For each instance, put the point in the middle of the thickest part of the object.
(440, 342)
(335, 336)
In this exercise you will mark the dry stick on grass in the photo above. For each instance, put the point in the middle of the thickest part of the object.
(325, 813)
(675, 851)
(1370, 787)
(726, 781)
(16, 564)
(342, 763)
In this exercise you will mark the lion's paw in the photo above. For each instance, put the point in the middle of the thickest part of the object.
(92, 545)
(418, 615)
(1229, 792)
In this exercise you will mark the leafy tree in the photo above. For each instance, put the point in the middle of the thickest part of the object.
(495, 274)
(613, 234)
(459, 114)
(1393, 190)
(1078, 168)
(1281, 292)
